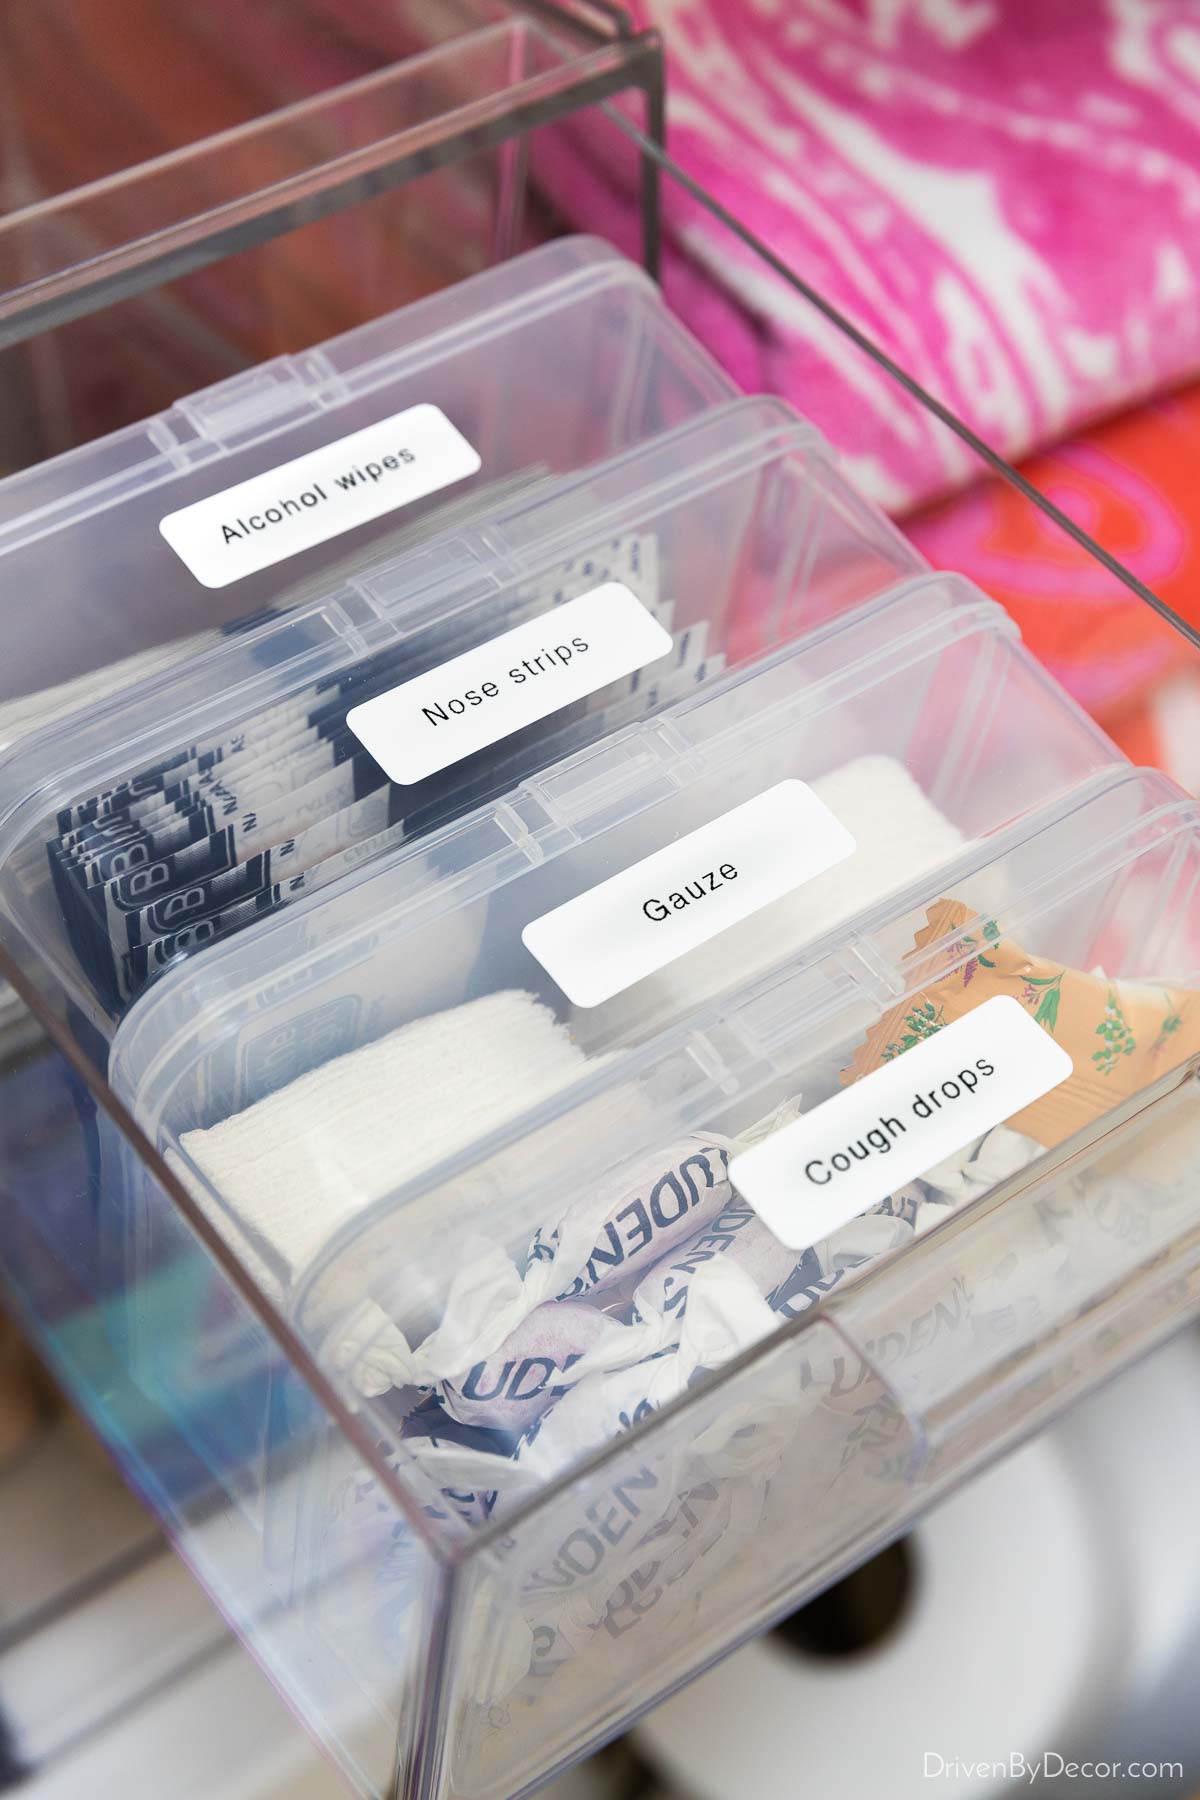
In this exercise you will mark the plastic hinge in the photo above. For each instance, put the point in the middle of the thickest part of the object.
(795, 1005)
(706, 1053)
(872, 972)
(429, 585)
(247, 407)
(597, 779)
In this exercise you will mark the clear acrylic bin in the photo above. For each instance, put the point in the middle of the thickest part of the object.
(725, 538)
(928, 685)
(448, 1619)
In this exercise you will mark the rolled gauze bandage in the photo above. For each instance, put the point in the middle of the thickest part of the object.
(283, 1177)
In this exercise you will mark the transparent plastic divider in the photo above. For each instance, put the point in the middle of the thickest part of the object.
(685, 1539)
(763, 282)
(1057, 1281)
(507, 72)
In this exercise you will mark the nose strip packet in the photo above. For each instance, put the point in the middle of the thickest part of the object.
(638, 555)
(308, 734)
(155, 934)
(401, 812)
(323, 705)
(197, 847)
(250, 795)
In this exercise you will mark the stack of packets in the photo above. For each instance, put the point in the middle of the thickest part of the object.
(185, 852)
(26, 712)
(637, 1290)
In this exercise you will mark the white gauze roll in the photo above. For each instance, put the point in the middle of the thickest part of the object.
(296, 1167)
(900, 835)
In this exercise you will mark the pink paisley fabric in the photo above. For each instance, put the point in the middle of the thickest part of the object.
(1005, 194)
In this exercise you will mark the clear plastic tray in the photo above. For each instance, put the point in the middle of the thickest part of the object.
(572, 322)
(732, 534)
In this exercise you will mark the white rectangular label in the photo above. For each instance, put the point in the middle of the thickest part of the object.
(319, 495)
(515, 679)
(844, 1156)
(600, 943)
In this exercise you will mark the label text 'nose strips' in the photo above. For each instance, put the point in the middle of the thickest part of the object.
(319, 495)
(844, 1156)
(513, 680)
(637, 922)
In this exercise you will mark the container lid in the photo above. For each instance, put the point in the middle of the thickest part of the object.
(240, 495)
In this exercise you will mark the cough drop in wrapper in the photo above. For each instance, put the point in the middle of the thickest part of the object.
(1120, 1035)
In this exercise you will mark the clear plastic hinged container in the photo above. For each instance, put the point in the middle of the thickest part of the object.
(612, 1040)
(247, 495)
(667, 1264)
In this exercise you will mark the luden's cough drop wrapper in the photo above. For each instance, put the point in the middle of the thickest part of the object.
(1120, 1035)
(510, 1389)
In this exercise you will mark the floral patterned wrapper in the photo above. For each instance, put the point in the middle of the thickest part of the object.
(1120, 1035)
